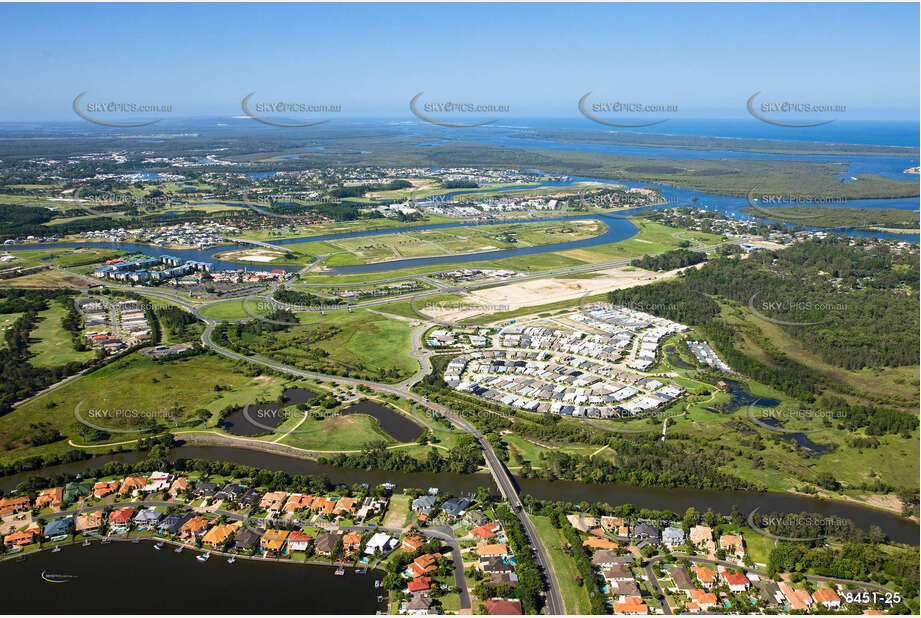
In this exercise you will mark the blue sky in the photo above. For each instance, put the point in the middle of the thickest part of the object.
(536, 58)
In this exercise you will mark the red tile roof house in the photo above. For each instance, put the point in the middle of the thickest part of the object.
(737, 581)
(132, 483)
(412, 543)
(194, 529)
(827, 597)
(503, 607)
(179, 486)
(22, 538)
(345, 506)
(15, 504)
(50, 497)
(423, 564)
(104, 488)
(299, 541)
(120, 519)
(89, 522)
(419, 584)
(487, 531)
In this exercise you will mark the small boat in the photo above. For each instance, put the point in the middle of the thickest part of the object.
(203, 557)
(178, 550)
(106, 541)
(137, 540)
(56, 549)
(86, 543)
(361, 571)
(231, 560)
(377, 583)
(158, 546)
(340, 571)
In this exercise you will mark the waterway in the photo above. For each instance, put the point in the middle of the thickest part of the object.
(128, 578)
(672, 498)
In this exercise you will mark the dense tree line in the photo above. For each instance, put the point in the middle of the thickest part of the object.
(670, 260)
(465, 458)
(303, 299)
(530, 579)
(582, 560)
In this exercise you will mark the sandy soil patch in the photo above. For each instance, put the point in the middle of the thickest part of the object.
(252, 255)
(543, 291)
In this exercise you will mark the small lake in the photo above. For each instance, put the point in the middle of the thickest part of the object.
(129, 578)
(270, 414)
(398, 426)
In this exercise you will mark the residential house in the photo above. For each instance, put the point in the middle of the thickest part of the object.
(250, 498)
(297, 502)
(230, 492)
(425, 563)
(73, 491)
(475, 518)
(59, 527)
(681, 577)
(205, 489)
(380, 542)
(702, 537)
(455, 507)
(89, 522)
(220, 534)
(105, 488)
(494, 564)
(274, 540)
(608, 557)
(797, 598)
(345, 506)
(131, 484)
(703, 600)
(827, 598)
(673, 537)
(487, 531)
(503, 607)
(172, 524)
(351, 542)
(420, 605)
(737, 582)
(732, 545)
(194, 528)
(503, 579)
(424, 504)
(631, 605)
(23, 538)
(625, 589)
(326, 543)
(179, 486)
(147, 519)
(299, 541)
(246, 539)
(273, 501)
(412, 543)
(14, 504)
(646, 532)
(485, 550)
(419, 584)
(158, 481)
(594, 542)
(50, 497)
(617, 573)
(706, 576)
(120, 520)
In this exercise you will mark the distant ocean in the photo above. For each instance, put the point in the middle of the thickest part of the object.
(880, 133)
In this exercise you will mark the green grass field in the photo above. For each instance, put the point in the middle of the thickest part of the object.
(350, 432)
(136, 384)
(234, 309)
(51, 344)
(575, 597)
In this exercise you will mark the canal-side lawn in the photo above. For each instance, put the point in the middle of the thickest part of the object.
(341, 433)
(398, 511)
(575, 597)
